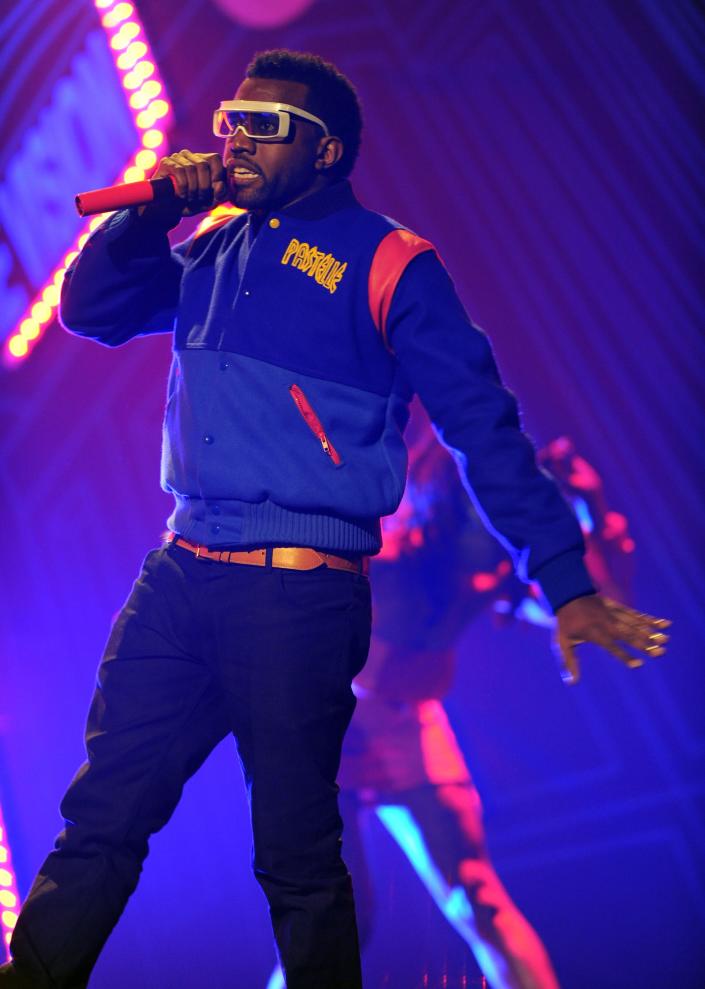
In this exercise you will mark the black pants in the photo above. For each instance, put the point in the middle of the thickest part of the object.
(201, 649)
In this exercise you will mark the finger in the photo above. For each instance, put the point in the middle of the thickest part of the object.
(220, 192)
(650, 642)
(217, 168)
(568, 665)
(204, 178)
(639, 630)
(205, 170)
(188, 171)
(217, 177)
(650, 621)
(170, 166)
(610, 644)
(644, 639)
(633, 662)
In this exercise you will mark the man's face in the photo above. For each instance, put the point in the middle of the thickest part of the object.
(264, 176)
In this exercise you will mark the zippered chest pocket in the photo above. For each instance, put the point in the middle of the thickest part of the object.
(314, 424)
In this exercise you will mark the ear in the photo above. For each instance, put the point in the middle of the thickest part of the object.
(330, 151)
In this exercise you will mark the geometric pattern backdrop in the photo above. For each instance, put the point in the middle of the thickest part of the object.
(554, 153)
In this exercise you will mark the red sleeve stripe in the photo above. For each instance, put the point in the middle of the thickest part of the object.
(392, 256)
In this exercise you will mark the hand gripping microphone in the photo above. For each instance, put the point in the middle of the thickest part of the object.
(128, 194)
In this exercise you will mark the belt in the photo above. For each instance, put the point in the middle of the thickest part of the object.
(282, 557)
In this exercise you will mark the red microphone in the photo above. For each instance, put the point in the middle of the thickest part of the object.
(128, 194)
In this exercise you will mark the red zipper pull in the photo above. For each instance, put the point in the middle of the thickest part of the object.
(314, 423)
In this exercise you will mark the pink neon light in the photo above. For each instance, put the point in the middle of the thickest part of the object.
(9, 897)
(151, 112)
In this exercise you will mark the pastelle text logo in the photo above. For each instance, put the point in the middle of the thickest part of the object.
(315, 263)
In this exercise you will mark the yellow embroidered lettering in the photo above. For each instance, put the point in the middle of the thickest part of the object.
(323, 268)
(336, 274)
(316, 264)
(312, 261)
(301, 255)
(291, 249)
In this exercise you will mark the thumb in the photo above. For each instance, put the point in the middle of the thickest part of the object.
(568, 665)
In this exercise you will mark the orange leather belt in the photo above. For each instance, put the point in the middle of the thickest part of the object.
(282, 557)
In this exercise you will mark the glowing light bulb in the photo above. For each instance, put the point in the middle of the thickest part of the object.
(18, 347)
(145, 119)
(135, 77)
(119, 13)
(30, 328)
(146, 68)
(145, 94)
(50, 295)
(127, 33)
(41, 312)
(59, 277)
(7, 899)
(159, 108)
(153, 138)
(134, 174)
(128, 58)
(9, 918)
(145, 159)
(152, 88)
(71, 256)
(139, 100)
(131, 80)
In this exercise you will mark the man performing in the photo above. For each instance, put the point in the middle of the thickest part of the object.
(301, 331)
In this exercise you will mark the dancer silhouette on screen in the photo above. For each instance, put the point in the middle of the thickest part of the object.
(401, 761)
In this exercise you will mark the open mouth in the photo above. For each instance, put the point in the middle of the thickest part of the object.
(242, 173)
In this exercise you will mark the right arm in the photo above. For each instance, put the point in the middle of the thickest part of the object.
(126, 280)
(124, 283)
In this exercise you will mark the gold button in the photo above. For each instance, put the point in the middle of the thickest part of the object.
(274, 223)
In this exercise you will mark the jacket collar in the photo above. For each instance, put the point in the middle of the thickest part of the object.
(322, 203)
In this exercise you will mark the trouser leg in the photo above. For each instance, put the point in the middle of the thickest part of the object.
(288, 687)
(153, 720)
(509, 951)
(355, 813)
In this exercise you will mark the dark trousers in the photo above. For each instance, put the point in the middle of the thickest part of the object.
(203, 648)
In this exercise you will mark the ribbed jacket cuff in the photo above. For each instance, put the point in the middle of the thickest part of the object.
(128, 220)
(564, 578)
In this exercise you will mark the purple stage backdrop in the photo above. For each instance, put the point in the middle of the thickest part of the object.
(553, 150)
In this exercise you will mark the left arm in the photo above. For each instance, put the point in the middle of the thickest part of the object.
(449, 363)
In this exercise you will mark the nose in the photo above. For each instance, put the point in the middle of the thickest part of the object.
(239, 141)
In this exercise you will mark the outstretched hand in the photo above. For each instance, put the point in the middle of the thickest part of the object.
(608, 624)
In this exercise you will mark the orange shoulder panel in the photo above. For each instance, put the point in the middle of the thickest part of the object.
(213, 221)
(216, 218)
(394, 253)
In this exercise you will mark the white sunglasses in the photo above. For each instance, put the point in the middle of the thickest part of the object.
(259, 121)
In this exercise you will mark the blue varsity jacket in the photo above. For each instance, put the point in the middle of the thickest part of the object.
(298, 345)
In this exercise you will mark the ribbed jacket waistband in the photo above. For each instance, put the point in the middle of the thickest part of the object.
(238, 523)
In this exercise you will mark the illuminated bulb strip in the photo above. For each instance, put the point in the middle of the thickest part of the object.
(9, 897)
(152, 114)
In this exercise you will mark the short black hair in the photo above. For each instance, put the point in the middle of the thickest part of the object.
(332, 96)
